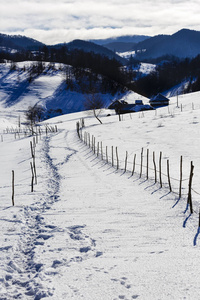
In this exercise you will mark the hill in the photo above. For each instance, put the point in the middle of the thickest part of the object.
(121, 43)
(92, 231)
(92, 47)
(18, 42)
(48, 88)
(182, 44)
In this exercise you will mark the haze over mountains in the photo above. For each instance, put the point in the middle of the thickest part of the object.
(184, 43)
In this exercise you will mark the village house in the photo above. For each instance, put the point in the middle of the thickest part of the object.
(159, 101)
(122, 107)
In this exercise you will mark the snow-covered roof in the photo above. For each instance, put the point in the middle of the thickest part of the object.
(159, 97)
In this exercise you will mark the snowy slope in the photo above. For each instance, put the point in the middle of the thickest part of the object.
(49, 89)
(90, 231)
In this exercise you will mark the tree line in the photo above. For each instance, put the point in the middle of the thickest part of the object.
(168, 74)
(107, 75)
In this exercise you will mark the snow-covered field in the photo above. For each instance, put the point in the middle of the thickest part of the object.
(88, 230)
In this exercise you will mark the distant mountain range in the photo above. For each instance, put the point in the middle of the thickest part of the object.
(184, 43)
(122, 43)
(87, 46)
(19, 42)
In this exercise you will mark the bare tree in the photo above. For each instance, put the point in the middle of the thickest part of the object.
(95, 103)
(34, 114)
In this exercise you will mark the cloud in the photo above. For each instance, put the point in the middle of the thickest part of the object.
(56, 21)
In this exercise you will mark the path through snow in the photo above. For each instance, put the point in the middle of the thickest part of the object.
(91, 232)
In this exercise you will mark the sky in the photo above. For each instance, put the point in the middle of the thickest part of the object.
(52, 22)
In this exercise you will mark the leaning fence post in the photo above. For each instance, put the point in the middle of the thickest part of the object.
(190, 188)
(13, 187)
(181, 176)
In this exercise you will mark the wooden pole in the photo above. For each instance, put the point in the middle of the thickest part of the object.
(112, 157)
(126, 158)
(97, 149)
(32, 179)
(170, 188)
(160, 169)
(89, 138)
(13, 187)
(32, 153)
(107, 154)
(181, 176)
(117, 159)
(154, 163)
(147, 164)
(190, 188)
(101, 150)
(141, 163)
(94, 145)
(134, 164)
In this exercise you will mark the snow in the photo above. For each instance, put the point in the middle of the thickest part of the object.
(146, 68)
(126, 54)
(88, 230)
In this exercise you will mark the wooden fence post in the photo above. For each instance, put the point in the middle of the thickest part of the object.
(126, 158)
(170, 188)
(32, 179)
(190, 188)
(32, 152)
(141, 163)
(107, 154)
(92, 142)
(94, 145)
(134, 164)
(147, 164)
(154, 163)
(160, 169)
(97, 149)
(13, 187)
(34, 168)
(181, 176)
(101, 150)
(112, 157)
(117, 159)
